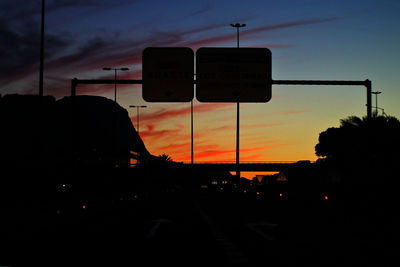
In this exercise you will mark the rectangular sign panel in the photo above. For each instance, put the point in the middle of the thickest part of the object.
(233, 74)
(168, 74)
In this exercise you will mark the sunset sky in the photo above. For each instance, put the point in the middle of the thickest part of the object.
(309, 39)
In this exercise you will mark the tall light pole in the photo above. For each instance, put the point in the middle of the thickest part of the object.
(237, 26)
(137, 115)
(376, 93)
(115, 79)
(41, 51)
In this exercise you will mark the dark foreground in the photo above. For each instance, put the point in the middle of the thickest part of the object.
(191, 227)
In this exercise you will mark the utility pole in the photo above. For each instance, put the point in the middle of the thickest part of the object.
(237, 26)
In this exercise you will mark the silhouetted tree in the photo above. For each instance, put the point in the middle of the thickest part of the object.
(164, 157)
(377, 137)
(362, 146)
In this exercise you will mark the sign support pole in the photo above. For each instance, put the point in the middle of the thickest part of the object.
(191, 133)
(237, 26)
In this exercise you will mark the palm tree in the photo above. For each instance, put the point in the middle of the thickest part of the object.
(164, 157)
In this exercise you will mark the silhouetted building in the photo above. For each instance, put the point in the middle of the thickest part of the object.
(85, 130)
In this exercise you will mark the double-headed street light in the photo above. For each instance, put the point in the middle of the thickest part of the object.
(237, 26)
(376, 93)
(137, 115)
(115, 79)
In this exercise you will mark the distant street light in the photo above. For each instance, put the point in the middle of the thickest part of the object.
(115, 79)
(137, 115)
(376, 93)
(237, 26)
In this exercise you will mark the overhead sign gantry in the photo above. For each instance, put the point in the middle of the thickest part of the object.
(222, 75)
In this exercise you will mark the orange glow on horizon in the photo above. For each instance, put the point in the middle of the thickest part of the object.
(251, 175)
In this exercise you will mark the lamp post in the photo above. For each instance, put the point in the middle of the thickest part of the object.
(376, 93)
(237, 26)
(115, 79)
(137, 115)
(41, 50)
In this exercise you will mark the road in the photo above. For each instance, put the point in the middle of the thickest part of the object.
(186, 228)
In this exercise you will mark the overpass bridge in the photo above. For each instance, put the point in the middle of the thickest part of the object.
(242, 166)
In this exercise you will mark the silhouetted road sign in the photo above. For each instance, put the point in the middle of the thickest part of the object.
(168, 74)
(233, 74)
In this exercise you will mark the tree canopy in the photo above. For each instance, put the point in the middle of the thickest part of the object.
(364, 140)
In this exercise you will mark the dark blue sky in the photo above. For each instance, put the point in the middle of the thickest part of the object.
(309, 39)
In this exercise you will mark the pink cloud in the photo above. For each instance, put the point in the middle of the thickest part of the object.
(217, 153)
(261, 125)
(232, 37)
(158, 134)
(288, 25)
(150, 127)
(95, 53)
(163, 114)
(289, 112)
(99, 50)
(175, 147)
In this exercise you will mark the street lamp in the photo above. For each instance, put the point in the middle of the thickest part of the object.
(41, 50)
(237, 26)
(115, 79)
(376, 93)
(137, 115)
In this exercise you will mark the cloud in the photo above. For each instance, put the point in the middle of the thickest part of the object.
(19, 56)
(275, 114)
(289, 24)
(248, 32)
(244, 126)
(150, 127)
(287, 112)
(175, 147)
(224, 128)
(213, 154)
(23, 9)
(163, 114)
(62, 4)
(19, 9)
(203, 9)
(158, 134)
(67, 56)
(20, 43)
(96, 51)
